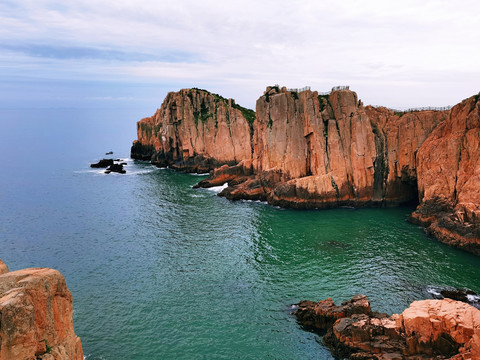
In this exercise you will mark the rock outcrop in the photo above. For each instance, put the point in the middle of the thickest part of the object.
(448, 165)
(195, 131)
(428, 329)
(36, 317)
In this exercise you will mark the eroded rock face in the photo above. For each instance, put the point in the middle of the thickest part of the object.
(36, 311)
(428, 329)
(195, 131)
(449, 178)
(314, 151)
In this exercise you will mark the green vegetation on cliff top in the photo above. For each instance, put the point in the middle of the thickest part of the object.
(248, 114)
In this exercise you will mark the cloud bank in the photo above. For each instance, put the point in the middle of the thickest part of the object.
(399, 54)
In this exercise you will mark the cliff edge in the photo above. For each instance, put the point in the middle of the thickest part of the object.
(36, 316)
(449, 178)
(195, 131)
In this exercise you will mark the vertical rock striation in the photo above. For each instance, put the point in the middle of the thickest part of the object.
(319, 151)
(195, 131)
(449, 178)
(36, 317)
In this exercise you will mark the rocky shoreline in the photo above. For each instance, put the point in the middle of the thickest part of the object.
(428, 329)
(307, 150)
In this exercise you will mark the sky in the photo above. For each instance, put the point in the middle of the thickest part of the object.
(126, 53)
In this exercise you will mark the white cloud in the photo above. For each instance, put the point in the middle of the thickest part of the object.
(399, 53)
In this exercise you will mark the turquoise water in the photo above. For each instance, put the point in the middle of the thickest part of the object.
(159, 270)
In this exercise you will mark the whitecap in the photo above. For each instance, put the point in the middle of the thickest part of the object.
(218, 189)
(434, 291)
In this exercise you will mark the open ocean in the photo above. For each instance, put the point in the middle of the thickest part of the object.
(159, 270)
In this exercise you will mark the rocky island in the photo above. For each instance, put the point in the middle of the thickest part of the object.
(304, 149)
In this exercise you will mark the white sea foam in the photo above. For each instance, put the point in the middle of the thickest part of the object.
(434, 291)
(473, 298)
(218, 189)
(199, 174)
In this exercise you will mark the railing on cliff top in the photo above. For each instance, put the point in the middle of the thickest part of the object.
(297, 90)
(335, 88)
(432, 108)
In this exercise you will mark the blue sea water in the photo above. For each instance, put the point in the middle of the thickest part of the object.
(159, 270)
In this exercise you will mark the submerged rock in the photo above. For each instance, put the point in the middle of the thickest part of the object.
(36, 317)
(428, 329)
(118, 168)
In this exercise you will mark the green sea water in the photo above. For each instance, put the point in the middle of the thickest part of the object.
(159, 270)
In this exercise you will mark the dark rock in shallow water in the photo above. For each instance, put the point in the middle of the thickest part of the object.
(109, 153)
(118, 168)
(103, 163)
(428, 329)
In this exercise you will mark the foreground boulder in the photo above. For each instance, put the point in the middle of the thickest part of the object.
(36, 317)
(428, 329)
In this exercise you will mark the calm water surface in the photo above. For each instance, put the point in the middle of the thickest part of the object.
(159, 270)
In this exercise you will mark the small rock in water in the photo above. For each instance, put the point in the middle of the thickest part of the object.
(465, 295)
(109, 153)
(102, 163)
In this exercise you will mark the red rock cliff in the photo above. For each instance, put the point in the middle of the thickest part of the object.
(36, 317)
(449, 178)
(195, 130)
(314, 151)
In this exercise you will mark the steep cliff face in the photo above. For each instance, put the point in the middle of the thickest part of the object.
(449, 178)
(36, 317)
(314, 151)
(195, 130)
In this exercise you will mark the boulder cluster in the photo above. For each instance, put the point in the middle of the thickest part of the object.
(428, 329)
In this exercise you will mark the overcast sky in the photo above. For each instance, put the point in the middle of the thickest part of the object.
(132, 52)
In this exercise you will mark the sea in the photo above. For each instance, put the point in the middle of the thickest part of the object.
(159, 270)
